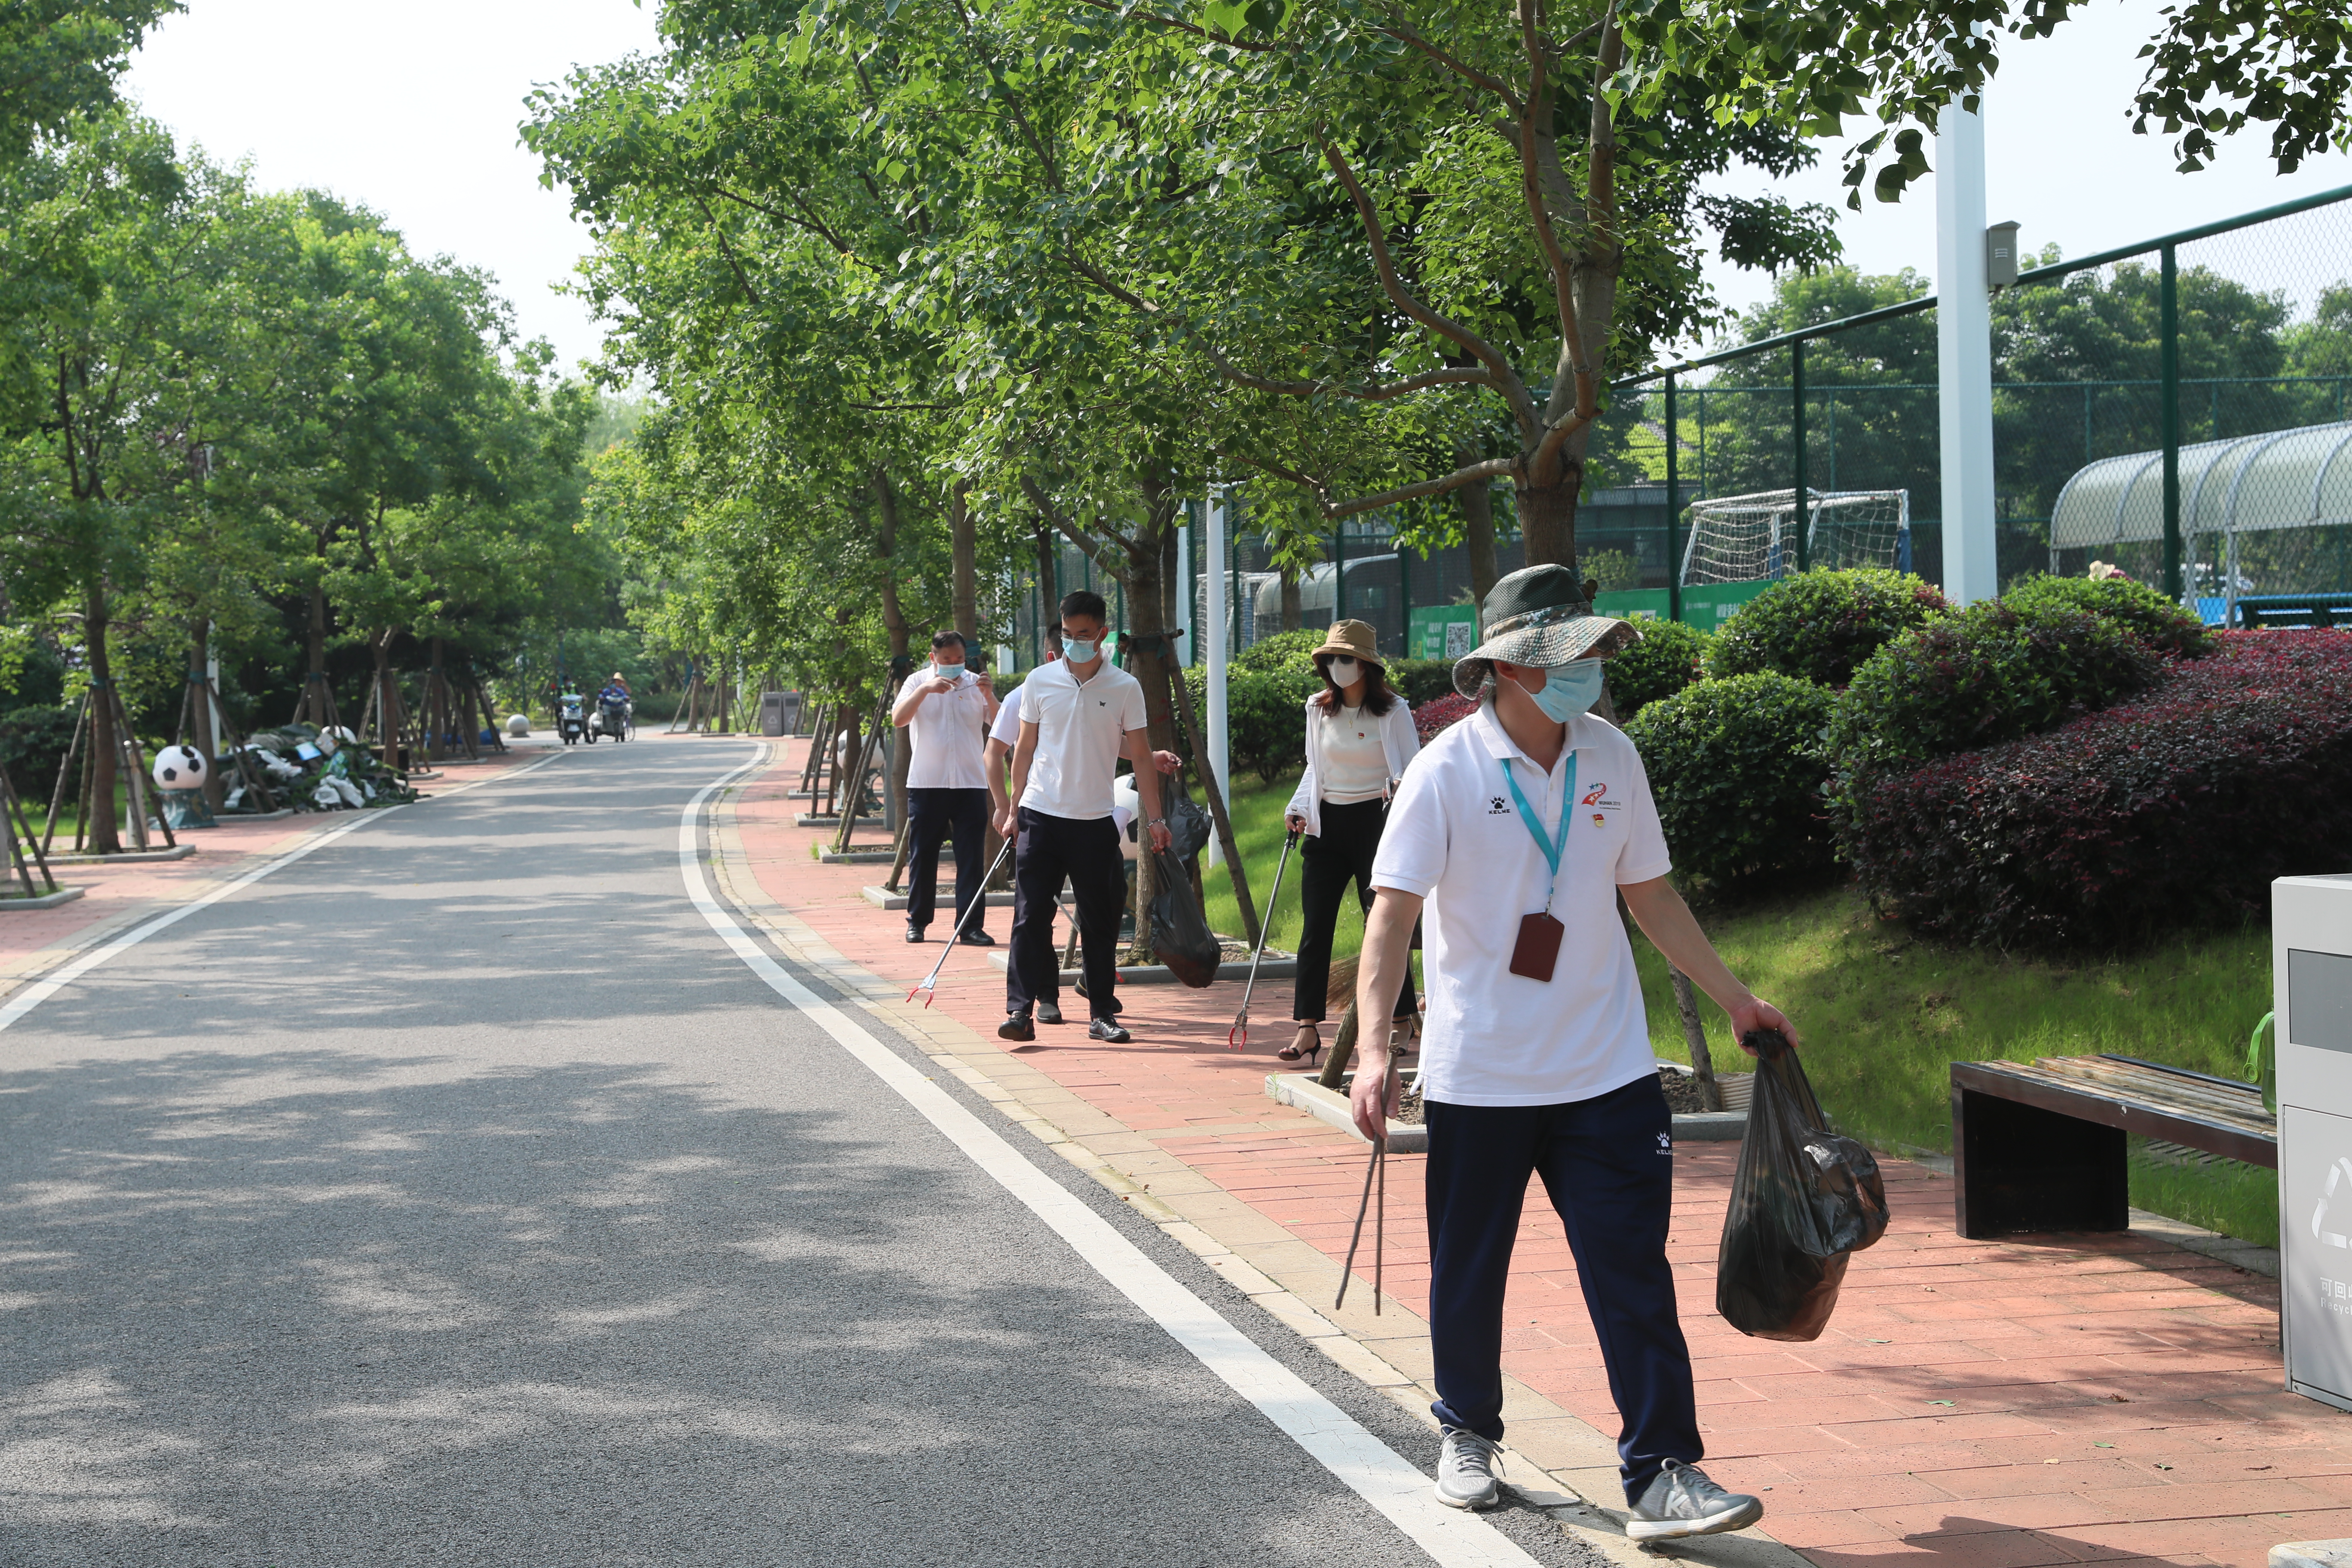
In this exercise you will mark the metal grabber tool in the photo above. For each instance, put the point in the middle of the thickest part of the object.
(1238, 1036)
(1376, 1172)
(978, 901)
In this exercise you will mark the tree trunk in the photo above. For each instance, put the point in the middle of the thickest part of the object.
(1478, 526)
(1548, 522)
(894, 621)
(205, 735)
(105, 746)
(313, 706)
(1292, 610)
(1147, 627)
(963, 535)
(1049, 554)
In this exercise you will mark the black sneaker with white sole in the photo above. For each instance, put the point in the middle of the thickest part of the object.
(1108, 1029)
(1682, 1502)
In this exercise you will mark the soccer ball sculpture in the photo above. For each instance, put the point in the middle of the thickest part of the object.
(180, 768)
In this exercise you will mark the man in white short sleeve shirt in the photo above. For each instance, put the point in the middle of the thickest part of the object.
(997, 757)
(1511, 839)
(945, 708)
(1079, 716)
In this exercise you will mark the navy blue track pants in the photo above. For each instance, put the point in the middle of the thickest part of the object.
(1608, 1164)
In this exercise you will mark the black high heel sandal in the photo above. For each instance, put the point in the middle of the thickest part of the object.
(1295, 1052)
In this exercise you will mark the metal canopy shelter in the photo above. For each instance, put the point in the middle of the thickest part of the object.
(2249, 484)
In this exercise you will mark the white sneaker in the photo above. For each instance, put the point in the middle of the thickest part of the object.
(1465, 1470)
(1682, 1502)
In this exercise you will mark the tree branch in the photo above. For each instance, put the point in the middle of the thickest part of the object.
(725, 249)
(1125, 15)
(1505, 382)
(1378, 393)
(1538, 111)
(1097, 551)
(1493, 469)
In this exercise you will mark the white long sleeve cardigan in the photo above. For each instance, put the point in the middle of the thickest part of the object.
(1400, 741)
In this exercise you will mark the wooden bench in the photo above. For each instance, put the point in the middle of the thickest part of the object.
(2039, 1146)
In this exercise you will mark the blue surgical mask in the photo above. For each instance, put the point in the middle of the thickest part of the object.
(1079, 650)
(1569, 690)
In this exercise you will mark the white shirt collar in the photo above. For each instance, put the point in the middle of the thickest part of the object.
(1497, 739)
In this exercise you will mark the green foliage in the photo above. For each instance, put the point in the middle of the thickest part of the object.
(1422, 682)
(1991, 673)
(2136, 607)
(1283, 651)
(33, 742)
(1614, 569)
(1820, 626)
(1666, 659)
(1737, 768)
(1265, 716)
(61, 59)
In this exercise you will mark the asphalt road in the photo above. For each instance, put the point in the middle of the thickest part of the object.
(453, 1196)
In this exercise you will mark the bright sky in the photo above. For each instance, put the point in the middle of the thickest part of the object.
(411, 110)
(2062, 161)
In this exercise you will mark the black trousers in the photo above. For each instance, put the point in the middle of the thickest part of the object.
(1328, 862)
(1052, 847)
(1608, 1163)
(936, 813)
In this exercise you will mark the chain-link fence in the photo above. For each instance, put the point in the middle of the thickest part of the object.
(2175, 410)
(2178, 410)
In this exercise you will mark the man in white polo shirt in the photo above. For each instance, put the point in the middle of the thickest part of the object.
(945, 708)
(1079, 715)
(1511, 839)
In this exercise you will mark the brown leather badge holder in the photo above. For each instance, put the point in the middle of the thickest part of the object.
(1539, 946)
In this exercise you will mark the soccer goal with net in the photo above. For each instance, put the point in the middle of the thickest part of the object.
(1753, 539)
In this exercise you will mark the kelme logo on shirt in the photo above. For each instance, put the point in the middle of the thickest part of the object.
(1497, 807)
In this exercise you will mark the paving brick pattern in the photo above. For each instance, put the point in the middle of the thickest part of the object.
(1995, 1404)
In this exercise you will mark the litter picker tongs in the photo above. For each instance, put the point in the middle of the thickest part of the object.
(1238, 1036)
(979, 900)
(1376, 1172)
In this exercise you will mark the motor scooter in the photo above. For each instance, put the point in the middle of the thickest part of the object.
(614, 717)
(571, 719)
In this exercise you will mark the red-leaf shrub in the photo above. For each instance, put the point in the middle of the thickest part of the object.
(2176, 809)
(1430, 717)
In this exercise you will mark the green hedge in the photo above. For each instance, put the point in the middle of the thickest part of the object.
(1666, 659)
(2136, 607)
(1737, 768)
(1992, 673)
(1266, 716)
(1422, 681)
(1822, 626)
(33, 742)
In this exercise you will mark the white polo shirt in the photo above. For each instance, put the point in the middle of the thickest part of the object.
(1454, 836)
(947, 732)
(1080, 727)
(1007, 728)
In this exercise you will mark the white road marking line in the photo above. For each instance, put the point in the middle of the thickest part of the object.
(1340, 1443)
(49, 985)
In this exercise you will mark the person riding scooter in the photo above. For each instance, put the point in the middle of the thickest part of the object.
(571, 718)
(614, 710)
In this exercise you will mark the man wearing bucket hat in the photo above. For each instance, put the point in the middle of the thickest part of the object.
(1511, 839)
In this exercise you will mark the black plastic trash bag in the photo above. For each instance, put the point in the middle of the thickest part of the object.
(1179, 933)
(1804, 1201)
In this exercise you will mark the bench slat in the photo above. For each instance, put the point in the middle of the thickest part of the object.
(2143, 1100)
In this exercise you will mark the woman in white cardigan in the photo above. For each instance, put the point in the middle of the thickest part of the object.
(1360, 736)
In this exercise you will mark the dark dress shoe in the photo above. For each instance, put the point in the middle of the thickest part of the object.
(1016, 1026)
(978, 938)
(1049, 1012)
(914, 933)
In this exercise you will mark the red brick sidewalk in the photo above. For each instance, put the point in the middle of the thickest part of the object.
(112, 895)
(1994, 1405)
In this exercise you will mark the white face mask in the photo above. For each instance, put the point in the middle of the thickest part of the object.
(1344, 671)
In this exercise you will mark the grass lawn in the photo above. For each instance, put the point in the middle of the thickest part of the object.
(1884, 1016)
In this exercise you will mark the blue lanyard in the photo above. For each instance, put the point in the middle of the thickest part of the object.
(1551, 850)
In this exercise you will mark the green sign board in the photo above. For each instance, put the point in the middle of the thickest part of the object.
(1633, 605)
(1708, 606)
(1442, 631)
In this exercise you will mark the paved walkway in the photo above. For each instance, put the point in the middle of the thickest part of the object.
(115, 895)
(1989, 1403)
